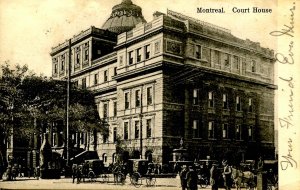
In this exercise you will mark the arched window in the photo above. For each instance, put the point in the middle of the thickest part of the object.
(104, 158)
(114, 158)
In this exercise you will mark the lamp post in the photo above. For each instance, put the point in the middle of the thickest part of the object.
(68, 102)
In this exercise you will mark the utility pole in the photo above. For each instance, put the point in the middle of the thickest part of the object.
(141, 125)
(68, 100)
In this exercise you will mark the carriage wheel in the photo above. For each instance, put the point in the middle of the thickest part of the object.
(92, 176)
(136, 179)
(151, 180)
(120, 178)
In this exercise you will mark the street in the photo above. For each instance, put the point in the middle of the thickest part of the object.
(66, 183)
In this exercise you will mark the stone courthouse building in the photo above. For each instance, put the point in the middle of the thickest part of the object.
(171, 78)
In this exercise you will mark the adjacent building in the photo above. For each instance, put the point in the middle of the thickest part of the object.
(172, 78)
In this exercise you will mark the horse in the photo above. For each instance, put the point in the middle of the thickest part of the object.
(243, 178)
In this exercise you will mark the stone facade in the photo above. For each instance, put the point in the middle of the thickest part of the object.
(176, 77)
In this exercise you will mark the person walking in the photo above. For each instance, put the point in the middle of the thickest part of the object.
(214, 177)
(74, 172)
(192, 179)
(183, 179)
(227, 175)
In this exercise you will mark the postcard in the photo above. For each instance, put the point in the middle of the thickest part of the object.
(206, 85)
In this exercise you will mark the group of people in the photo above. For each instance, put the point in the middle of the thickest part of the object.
(12, 171)
(189, 178)
(76, 172)
(79, 172)
(215, 176)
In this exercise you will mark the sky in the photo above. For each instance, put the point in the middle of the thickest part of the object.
(29, 28)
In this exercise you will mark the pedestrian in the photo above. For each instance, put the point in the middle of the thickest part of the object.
(37, 172)
(192, 179)
(74, 172)
(115, 171)
(260, 164)
(176, 168)
(79, 173)
(214, 177)
(85, 170)
(183, 179)
(227, 175)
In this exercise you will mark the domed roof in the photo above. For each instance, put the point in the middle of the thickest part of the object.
(124, 17)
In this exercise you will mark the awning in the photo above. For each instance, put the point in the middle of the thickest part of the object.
(85, 155)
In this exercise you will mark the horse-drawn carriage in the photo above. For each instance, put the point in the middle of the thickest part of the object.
(141, 169)
(94, 168)
(271, 171)
(245, 175)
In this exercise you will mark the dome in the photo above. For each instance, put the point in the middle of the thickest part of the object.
(124, 17)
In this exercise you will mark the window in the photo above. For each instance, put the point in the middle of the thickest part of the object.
(196, 129)
(136, 129)
(115, 134)
(82, 138)
(210, 99)
(86, 54)
(104, 158)
(115, 71)
(198, 53)
(130, 61)
(78, 58)
(105, 138)
(121, 60)
(253, 66)
(238, 103)
(238, 132)
(137, 98)
(125, 130)
(138, 55)
(250, 105)
(105, 76)
(75, 83)
(250, 132)
(216, 57)
(83, 83)
(225, 101)
(54, 139)
(211, 130)
(236, 62)
(127, 100)
(147, 51)
(55, 68)
(105, 110)
(115, 109)
(62, 68)
(149, 123)
(226, 60)
(225, 131)
(195, 96)
(149, 95)
(96, 76)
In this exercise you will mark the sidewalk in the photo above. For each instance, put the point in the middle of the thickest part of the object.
(66, 183)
